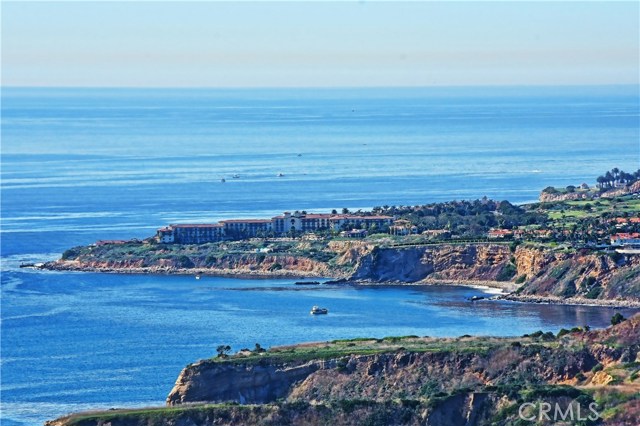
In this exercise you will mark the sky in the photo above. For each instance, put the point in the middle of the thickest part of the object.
(319, 44)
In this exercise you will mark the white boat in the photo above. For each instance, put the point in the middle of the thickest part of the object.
(197, 276)
(319, 311)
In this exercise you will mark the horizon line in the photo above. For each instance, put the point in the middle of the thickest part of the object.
(452, 86)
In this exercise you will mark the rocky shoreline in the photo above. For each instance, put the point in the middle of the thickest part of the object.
(167, 270)
(506, 288)
(570, 301)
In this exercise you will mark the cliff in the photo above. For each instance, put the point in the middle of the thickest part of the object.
(289, 259)
(578, 275)
(534, 273)
(408, 381)
(539, 274)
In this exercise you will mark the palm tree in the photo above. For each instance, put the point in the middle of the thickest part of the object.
(609, 178)
(615, 171)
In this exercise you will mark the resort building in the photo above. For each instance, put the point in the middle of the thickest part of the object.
(283, 225)
(246, 228)
(191, 233)
(344, 221)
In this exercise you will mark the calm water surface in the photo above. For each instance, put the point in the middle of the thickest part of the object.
(82, 165)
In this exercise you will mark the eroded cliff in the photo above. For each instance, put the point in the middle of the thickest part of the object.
(405, 381)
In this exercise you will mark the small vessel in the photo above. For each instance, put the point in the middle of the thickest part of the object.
(223, 180)
(307, 282)
(197, 276)
(280, 175)
(474, 298)
(319, 311)
(236, 176)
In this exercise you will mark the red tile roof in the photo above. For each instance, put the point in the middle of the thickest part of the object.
(626, 235)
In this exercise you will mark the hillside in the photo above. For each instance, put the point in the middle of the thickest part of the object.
(406, 380)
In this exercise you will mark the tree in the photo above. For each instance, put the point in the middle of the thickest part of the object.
(223, 351)
(334, 211)
(258, 348)
(345, 210)
(609, 178)
(617, 318)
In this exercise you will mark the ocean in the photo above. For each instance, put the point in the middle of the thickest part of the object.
(80, 165)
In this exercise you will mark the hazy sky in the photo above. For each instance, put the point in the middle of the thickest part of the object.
(217, 44)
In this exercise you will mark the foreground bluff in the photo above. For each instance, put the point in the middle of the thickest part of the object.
(405, 381)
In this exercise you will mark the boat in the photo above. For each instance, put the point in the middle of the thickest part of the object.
(236, 176)
(280, 175)
(223, 180)
(474, 298)
(307, 282)
(197, 276)
(319, 311)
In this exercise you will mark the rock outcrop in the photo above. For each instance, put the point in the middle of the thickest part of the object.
(447, 262)
(247, 384)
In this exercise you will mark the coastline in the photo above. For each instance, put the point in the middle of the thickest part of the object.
(571, 301)
(499, 290)
(159, 270)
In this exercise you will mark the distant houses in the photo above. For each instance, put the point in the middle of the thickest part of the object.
(282, 225)
(403, 227)
(626, 239)
(499, 233)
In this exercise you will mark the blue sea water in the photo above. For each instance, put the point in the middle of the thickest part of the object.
(80, 165)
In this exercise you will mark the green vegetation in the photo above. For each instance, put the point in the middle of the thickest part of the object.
(617, 318)
(569, 224)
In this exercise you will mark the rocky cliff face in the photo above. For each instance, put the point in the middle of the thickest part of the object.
(383, 376)
(233, 264)
(246, 384)
(541, 272)
(409, 381)
(462, 262)
(581, 274)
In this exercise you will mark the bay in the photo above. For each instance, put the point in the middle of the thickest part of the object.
(80, 165)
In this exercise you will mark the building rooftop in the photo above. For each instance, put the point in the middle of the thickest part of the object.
(195, 225)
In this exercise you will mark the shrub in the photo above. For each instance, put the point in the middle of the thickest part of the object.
(617, 318)
(508, 272)
(594, 293)
(72, 253)
(275, 267)
(185, 262)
